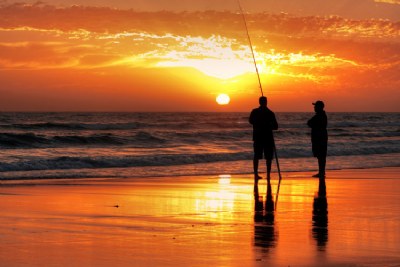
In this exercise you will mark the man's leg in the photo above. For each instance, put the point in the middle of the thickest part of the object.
(317, 174)
(257, 156)
(255, 167)
(269, 165)
(321, 165)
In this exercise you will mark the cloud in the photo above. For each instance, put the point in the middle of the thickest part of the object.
(313, 50)
(230, 24)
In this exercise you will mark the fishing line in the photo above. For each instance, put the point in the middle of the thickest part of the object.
(262, 94)
(251, 47)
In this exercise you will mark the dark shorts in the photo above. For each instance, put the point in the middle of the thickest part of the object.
(319, 149)
(263, 150)
(319, 144)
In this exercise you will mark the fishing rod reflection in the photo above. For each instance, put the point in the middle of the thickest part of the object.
(320, 216)
(264, 220)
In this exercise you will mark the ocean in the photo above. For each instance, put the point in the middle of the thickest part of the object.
(75, 145)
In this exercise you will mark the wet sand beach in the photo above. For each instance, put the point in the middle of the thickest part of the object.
(354, 220)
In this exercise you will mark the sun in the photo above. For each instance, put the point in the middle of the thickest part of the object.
(223, 99)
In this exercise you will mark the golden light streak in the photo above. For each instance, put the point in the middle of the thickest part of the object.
(214, 56)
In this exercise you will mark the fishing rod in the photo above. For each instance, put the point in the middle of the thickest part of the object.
(262, 94)
(251, 47)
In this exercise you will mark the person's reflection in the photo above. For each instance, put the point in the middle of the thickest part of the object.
(264, 232)
(320, 216)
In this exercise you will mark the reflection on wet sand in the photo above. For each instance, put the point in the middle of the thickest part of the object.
(202, 221)
(320, 216)
(264, 219)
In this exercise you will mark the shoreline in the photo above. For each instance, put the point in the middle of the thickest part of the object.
(290, 174)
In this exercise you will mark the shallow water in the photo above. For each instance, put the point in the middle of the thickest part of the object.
(203, 221)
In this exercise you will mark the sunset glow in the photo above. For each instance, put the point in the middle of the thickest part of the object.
(91, 57)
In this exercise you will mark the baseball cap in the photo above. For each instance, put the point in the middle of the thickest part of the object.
(319, 103)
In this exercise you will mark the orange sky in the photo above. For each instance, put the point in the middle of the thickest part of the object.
(170, 56)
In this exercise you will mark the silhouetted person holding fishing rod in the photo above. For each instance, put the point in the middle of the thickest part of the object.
(264, 122)
(319, 136)
(264, 220)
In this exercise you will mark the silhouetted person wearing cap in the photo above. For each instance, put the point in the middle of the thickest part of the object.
(320, 216)
(319, 136)
(264, 122)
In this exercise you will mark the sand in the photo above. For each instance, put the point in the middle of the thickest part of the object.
(203, 221)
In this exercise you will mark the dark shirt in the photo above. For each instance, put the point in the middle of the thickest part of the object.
(264, 122)
(319, 134)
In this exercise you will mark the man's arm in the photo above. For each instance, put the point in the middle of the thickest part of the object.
(251, 118)
(311, 122)
(274, 123)
(318, 122)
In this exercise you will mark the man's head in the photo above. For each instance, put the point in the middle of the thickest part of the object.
(263, 101)
(318, 106)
